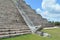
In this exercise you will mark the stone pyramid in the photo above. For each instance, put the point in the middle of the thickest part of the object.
(17, 18)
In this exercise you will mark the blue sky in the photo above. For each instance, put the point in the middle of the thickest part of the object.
(34, 3)
(49, 9)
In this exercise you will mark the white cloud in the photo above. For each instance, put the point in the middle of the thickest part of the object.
(52, 10)
(38, 10)
(51, 5)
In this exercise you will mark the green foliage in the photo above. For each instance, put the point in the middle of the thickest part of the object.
(55, 23)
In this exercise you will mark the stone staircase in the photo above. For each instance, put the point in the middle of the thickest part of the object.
(32, 15)
(33, 20)
(11, 22)
(12, 31)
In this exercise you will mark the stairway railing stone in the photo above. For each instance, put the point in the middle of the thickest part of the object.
(25, 17)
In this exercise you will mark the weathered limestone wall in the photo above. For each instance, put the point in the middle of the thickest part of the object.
(11, 22)
(9, 15)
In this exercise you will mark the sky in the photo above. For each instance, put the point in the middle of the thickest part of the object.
(49, 9)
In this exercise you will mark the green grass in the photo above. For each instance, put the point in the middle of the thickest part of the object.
(54, 32)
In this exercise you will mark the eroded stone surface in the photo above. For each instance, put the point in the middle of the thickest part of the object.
(10, 18)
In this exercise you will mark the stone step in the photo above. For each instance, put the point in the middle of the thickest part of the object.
(13, 29)
(13, 26)
(14, 32)
(1, 36)
(5, 30)
(20, 33)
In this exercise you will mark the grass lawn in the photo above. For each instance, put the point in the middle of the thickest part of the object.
(54, 32)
